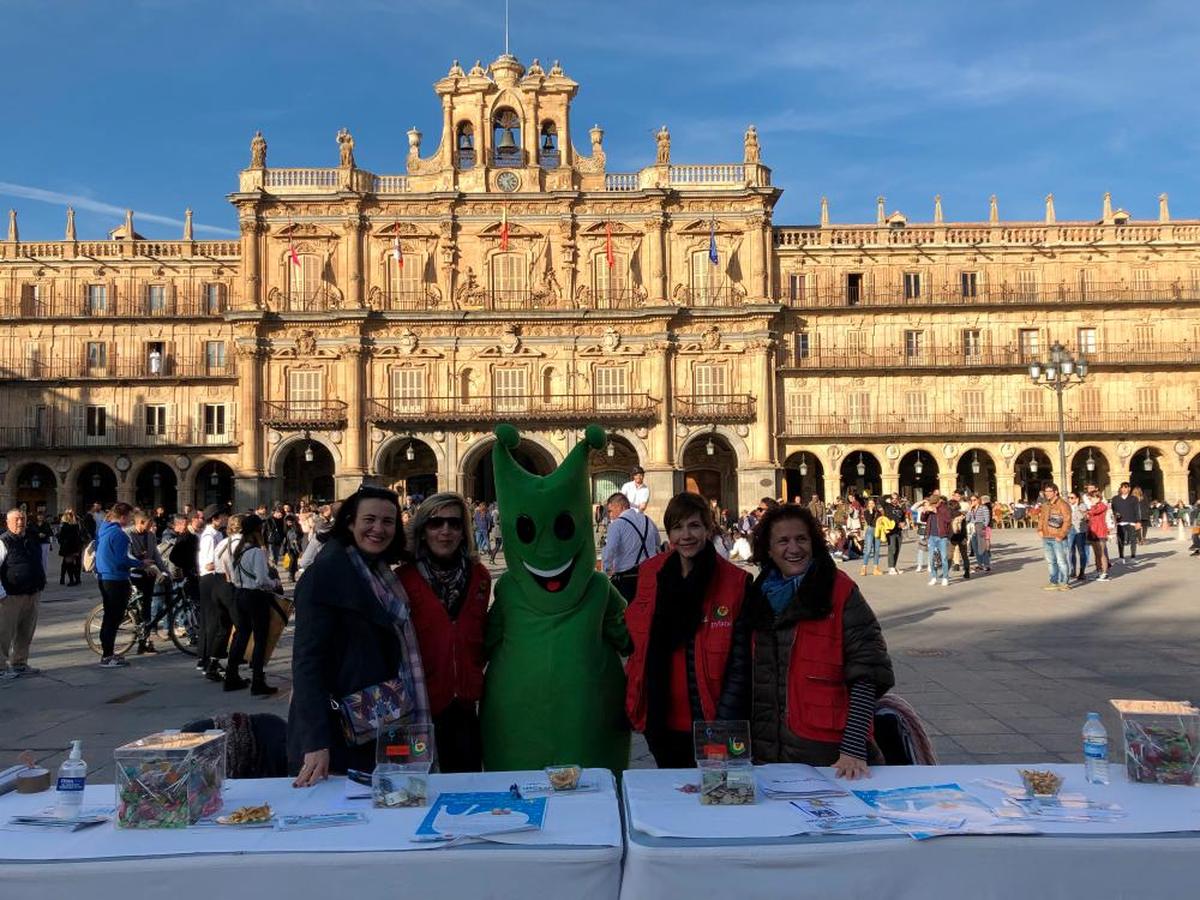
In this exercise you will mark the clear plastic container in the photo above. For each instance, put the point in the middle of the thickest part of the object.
(169, 779)
(404, 757)
(723, 757)
(1162, 741)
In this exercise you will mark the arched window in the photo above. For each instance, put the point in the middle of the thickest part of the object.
(304, 281)
(610, 284)
(506, 138)
(510, 285)
(548, 155)
(464, 145)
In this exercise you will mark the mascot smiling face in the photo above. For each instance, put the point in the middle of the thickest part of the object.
(546, 522)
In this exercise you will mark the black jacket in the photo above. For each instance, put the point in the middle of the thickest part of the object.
(344, 642)
(183, 554)
(864, 651)
(22, 572)
(1126, 510)
(70, 539)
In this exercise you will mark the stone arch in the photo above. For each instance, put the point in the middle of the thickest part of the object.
(392, 441)
(37, 487)
(474, 467)
(714, 476)
(736, 443)
(280, 451)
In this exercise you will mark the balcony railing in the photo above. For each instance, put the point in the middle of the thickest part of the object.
(715, 409)
(420, 298)
(303, 413)
(184, 434)
(121, 307)
(116, 249)
(615, 409)
(974, 234)
(1003, 358)
(726, 295)
(994, 425)
(996, 295)
(170, 367)
(610, 298)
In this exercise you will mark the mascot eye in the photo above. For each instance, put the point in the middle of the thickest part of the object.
(526, 530)
(564, 527)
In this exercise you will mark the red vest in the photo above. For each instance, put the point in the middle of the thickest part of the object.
(714, 638)
(451, 650)
(818, 698)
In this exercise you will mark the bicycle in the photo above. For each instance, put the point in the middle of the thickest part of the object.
(179, 616)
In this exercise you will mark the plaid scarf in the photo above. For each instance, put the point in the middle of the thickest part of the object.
(391, 596)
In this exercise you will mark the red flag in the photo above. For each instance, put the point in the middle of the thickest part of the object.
(294, 256)
(504, 229)
(608, 245)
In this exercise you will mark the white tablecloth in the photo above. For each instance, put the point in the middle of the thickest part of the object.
(577, 854)
(1141, 856)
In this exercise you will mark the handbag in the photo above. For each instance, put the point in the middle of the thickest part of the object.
(365, 711)
(285, 561)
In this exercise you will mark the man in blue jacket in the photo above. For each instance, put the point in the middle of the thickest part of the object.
(113, 565)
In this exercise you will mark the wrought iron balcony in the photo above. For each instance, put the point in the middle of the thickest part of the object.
(566, 409)
(955, 427)
(715, 409)
(115, 308)
(1003, 294)
(69, 437)
(905, 358)
(166, 369)
(293, 414)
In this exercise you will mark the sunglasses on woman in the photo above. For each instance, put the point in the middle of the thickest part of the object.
(436, 522)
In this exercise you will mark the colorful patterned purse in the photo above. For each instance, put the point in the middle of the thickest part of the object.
(364, 712)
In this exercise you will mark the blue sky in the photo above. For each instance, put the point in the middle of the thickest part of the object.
(151, 103)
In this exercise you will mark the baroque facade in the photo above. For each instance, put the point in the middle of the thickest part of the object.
(378, 326)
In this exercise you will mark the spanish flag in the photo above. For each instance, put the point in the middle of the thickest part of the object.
(504, 229)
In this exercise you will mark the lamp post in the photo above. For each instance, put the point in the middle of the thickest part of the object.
(1061, 373)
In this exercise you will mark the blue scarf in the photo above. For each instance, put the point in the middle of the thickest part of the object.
(779, 591)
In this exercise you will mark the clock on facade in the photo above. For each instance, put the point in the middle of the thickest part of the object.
(508, 182)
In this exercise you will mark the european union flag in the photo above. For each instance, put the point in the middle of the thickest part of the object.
(712, 242)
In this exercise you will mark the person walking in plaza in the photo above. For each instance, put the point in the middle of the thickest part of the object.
(1144, 515)
(44, 532)
(273, 529)
(448, 590)
(254, 585)
(1128, 515)
(1098, 516)
(481, 525)
(816, 506)
(292, 548)
(1077, 539)
(22, 580)
(870, 516)
(637, 490)
(938, 521)
(894, 511)
(113, 568)
(691, 635)
(960, 547)
(632, 539)
(70, 548)
(820, 660)
(213, 637)
(1054, 524)
(979, 526)
(354, 631)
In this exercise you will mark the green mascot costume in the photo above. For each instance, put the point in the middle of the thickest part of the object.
(554, 690)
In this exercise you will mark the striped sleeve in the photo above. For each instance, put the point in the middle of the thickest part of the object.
(858, 722)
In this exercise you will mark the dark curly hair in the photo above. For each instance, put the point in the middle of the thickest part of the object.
(348, 512)
(816, 600)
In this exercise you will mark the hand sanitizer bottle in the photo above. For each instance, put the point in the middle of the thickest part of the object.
(72, 777)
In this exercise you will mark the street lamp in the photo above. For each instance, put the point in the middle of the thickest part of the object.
(918, 466)
(609, 450)
(1033, 465)
(861, 468)
(710, 448)
(409, 453)
(1148, 462)
(308, 452)
(803, 466)
(1061, 373)
(974, 462)
(1091, 461)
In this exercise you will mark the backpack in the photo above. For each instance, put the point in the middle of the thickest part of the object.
(89, 557)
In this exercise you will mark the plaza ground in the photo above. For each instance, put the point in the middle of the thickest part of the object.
(1000, 670)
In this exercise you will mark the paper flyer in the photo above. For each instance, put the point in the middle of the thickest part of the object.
(481, 814)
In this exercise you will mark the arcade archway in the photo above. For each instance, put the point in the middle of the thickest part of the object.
(804, 476)
(710, 469)
(611, 467)
(1091, 465)
(156, 486)
(918, 475)
(410, 469)
(479, 478)
(862, 474)
(214, 484)
(1145, 471)
(306, 473)
(96, 483)
(1031, 470)
(37, 489)
(977, 473)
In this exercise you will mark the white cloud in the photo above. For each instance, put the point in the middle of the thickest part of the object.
(81, 201)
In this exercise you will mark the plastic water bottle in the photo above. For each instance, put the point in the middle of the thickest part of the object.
(1095, 750)
(72, 777)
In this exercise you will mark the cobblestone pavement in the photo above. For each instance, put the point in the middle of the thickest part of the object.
(999, 669)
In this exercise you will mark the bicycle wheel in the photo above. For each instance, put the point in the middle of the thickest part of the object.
(126, 635)
(183, 627)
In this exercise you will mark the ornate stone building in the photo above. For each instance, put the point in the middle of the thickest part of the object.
(378, 326)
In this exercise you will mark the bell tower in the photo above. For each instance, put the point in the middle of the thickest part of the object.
(505, 129)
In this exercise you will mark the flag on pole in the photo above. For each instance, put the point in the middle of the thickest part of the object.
(608, 245)
(295, 257)
(504, 229)
(396, 254)
(712, 242)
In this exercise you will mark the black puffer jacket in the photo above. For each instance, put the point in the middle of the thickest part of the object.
(864, 651)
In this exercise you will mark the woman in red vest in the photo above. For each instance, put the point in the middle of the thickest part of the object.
(820, 661)
(691, 638)
(448, 591)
